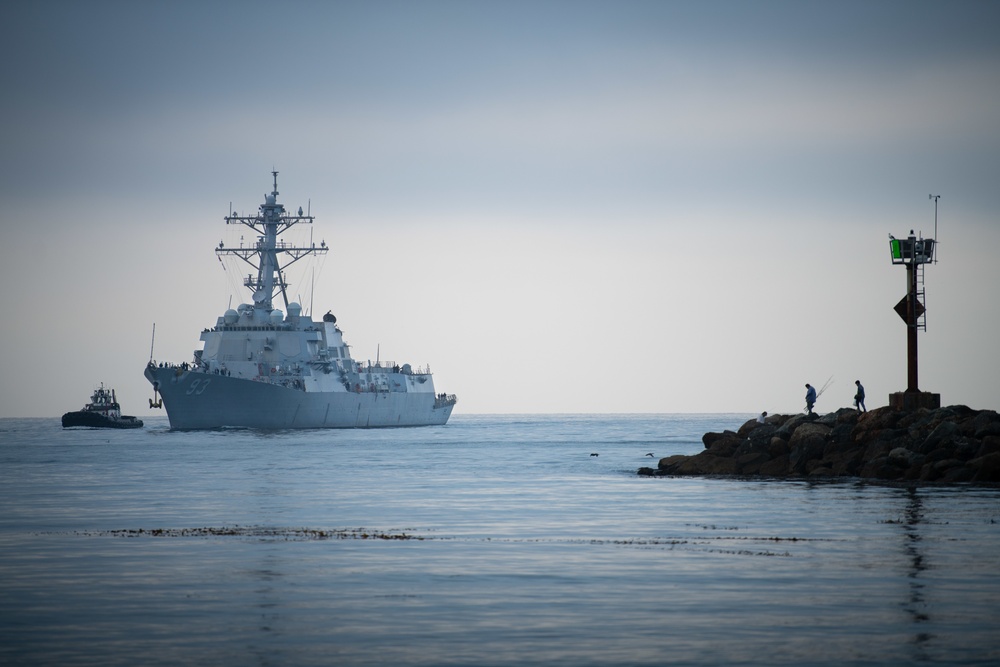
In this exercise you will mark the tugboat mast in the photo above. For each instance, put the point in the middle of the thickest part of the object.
(271, 221)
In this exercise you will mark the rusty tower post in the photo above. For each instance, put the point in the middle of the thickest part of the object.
(914, 253)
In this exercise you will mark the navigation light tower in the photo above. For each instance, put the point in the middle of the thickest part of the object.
(913, 253)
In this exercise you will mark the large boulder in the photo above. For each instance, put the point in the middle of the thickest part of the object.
(750, 463)
(989, 445)
(944, 432)
(871, 423)
(843, 460)
(808, 434)
(711, 437)
(774, 468)
(806, 446)
(987, 468)
(706, 464)
(757, 440)
(725, 445)
(778, 448)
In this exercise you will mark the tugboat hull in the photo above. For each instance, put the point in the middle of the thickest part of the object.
(94, 420)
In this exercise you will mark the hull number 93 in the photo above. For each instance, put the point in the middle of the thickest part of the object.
(198, 386)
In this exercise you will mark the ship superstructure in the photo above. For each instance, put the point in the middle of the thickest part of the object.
(261, 367)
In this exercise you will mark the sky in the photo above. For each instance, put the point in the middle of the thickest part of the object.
(561, 207)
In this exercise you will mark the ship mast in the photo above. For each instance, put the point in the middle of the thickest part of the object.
(270, 222)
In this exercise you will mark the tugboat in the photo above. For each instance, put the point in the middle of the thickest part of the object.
(103, 411)
(263, 368)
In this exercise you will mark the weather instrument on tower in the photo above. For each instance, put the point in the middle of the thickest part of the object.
(914, 253)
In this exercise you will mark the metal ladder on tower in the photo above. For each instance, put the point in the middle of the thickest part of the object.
(922, 317)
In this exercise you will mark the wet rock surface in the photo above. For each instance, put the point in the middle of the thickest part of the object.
(950, 445)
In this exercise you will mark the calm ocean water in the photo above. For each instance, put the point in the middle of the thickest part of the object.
(495, 540)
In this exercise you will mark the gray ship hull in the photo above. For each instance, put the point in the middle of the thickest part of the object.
(199, 400)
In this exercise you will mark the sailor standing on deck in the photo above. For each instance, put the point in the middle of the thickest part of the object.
(810, 397)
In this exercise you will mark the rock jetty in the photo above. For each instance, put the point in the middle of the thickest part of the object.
(949, 445)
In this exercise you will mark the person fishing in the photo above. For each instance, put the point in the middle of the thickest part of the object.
(810, 397)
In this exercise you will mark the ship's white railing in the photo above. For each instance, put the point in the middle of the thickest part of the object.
(441, 400)
(391, 367)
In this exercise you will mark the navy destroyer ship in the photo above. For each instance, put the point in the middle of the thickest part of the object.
(264, 368)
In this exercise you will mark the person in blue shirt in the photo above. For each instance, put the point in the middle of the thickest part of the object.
(859, 398)
(810, 397)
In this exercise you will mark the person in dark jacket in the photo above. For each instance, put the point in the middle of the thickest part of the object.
(859, 398)
(810, 397)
